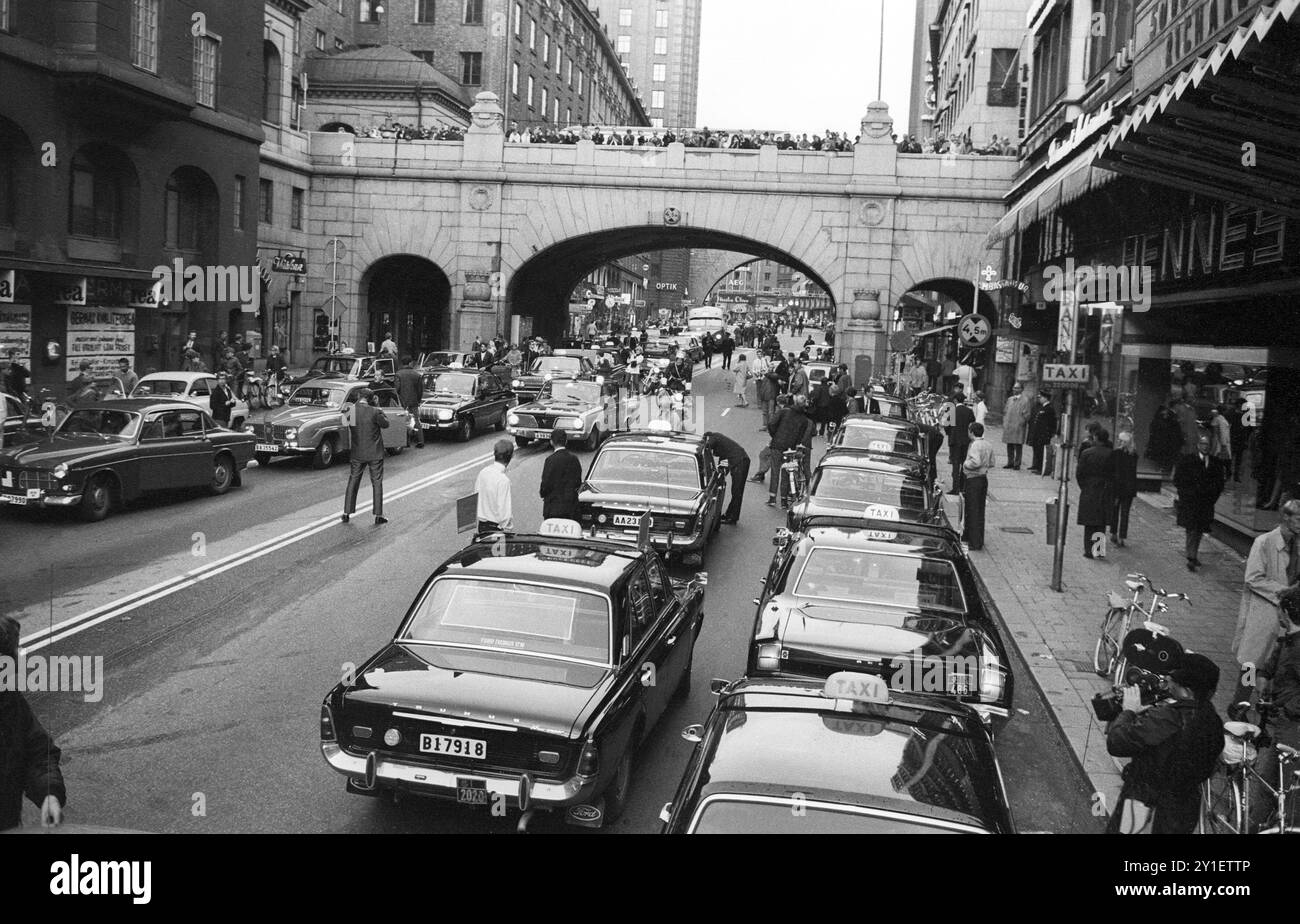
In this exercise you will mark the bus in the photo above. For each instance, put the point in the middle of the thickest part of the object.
(707, 319)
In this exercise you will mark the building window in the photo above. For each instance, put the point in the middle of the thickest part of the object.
(4, 15)
(471, 68)
(295, 209)
(366, 10)
(657, 123)
(426, 56)
(546, 48)
(657, 99)
(424, 11)
(239, 203)
(661, 19)
(144, 34)
(339, 44)
(555, 110)
(184, 217)
(623, 45)
(96, 199)
(320, 40)
(544, 96)
(625, 17)
(1117, 20)
(519, 19)
(532, 35)
(1004, 86)
(271, 83)
(660, 73)
(580, 81)
(473, 12)
(568, 116)
(205, 70)
(568, 77)
(1051, 63)
(559, 58)
(265, 201)
(530, 91)
(514, 78)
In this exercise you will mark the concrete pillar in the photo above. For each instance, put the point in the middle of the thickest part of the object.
(876, 153)
(485, 139)
(862, 342)
(477, 316)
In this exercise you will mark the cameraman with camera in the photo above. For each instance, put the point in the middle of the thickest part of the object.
(1174, 744)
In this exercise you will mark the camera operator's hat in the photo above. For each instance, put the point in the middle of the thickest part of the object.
(1198, 673)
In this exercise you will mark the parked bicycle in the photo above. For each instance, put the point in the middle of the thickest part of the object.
(255, 391)
(1226, 795)
(1111, 654)
(794, 474)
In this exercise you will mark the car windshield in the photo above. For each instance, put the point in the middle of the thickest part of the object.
(882, 578)
(318, 396)
(453, 383)
(515, 618)
(565, 364)
(575, 392)
(153, 387)
(616, 468)
(658, 350)
(340, 364)
(877, 438)
(99, 420)
(443, 359)
(855, 486)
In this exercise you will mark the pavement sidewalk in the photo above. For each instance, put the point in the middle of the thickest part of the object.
(1056, 632)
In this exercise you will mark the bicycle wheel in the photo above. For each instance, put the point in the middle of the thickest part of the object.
(1221, 811)
(1107, 648)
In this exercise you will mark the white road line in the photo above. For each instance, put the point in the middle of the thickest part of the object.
(139, 598)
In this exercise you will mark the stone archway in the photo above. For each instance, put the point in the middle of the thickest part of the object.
(409, 297)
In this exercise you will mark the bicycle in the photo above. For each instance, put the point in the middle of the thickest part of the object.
(1225, 796)
(1108, 659)
(794, 475)
(255, 391)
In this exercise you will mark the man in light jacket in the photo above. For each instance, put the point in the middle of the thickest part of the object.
(1015, 425)
(1272, 569)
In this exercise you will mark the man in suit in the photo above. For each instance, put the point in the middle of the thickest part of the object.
(221, 400)
(959, 440)
(367, 454)
(727, 449)
(410, 389)
(1042, 427)
(1199, 478)
(561, 477)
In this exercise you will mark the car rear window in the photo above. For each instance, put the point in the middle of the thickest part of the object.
(857, 575)
(151, 387)
(855, 486)
(878, 439)
(558, 364)
(616, 467)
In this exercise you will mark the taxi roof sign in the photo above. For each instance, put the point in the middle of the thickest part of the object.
(859, 688)
(660, 425)
(557, 526)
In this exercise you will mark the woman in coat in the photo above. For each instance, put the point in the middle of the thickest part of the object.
(740, 376)
(1126, 486)
(1096, 475)
(1015, 425)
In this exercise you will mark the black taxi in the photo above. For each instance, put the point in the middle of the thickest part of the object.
(846, 755)
(880, 433)
(899, 600)
(523, 677)
(872, 485)
(666, 474)
(463, 401)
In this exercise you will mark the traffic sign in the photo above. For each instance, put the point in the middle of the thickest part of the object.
(1067, 376)
(901, 341)
(974, 330)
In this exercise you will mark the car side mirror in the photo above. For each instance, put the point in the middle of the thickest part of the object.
(717, 686)
(693, 733)
(666, 813)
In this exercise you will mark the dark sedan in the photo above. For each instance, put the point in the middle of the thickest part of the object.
(870, 485)
(528, 386)
(899, 600)
(464, 401)
(843, 756)
(110, 453)
(525, 675)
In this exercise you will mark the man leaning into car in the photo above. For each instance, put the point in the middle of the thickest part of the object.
(367, 454)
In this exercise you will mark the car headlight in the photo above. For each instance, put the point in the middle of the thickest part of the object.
(516, 383)
(61, 471)
(992, 681)
(444, 413)
(249, 429)
(291, 433)
(769, 656)
(513, 420)
(568, 423)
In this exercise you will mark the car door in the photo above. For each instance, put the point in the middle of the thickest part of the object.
(399, 420)
(672, 630)
(194, 458)
(165, 451)
(650, 656)
(200, 392)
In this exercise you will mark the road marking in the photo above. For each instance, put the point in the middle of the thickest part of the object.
(139, 598)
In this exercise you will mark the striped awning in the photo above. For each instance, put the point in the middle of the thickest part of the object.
(1079, 176)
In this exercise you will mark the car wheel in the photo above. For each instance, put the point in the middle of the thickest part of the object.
(97, 498)
(500, 424)
(464, 429)
(325, 453)
(522, 441)
(620, 788)
(596, 438)
(263, 459)
(223, 475)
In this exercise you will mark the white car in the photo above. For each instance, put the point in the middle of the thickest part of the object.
(192, 387)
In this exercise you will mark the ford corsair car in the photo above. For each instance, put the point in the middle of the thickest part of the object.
(108, 454)
(311, 424)
(846, 755)
(669, 476)
(524, 676)
(193, 387)
(899, 600)
(464, 401)
(586, 411)
(545, 368)
(877, 486)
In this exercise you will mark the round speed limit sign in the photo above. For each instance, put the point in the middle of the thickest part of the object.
(974, 330)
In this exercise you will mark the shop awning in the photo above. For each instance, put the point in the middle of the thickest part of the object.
(1193, 133)
(1054, 190)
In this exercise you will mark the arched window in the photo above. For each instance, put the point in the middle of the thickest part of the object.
(271, 83)
(96, 200)
(337, 127)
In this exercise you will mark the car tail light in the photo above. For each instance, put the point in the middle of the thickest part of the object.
(589, 761)
(992, 681)
(326, 724)
(769, 657)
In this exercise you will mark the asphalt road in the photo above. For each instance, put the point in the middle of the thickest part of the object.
(213, 680)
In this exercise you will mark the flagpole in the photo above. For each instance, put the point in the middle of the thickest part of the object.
(880, 69)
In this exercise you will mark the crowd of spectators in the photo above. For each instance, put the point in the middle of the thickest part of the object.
(960, 143)
(401, 132)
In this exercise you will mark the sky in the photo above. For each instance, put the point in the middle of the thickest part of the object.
(762, 68)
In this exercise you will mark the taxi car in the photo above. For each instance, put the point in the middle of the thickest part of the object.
(842, 756)
(464, 401)
(377, 368)
(574, 364)
(587, 411)
(192, 387)
(898, 600)
(667, 474)
(108, 454)
(881, 433)
(871, 485)
(525, 675)
(311, 424)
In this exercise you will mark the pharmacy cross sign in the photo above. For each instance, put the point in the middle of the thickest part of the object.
(989, 273)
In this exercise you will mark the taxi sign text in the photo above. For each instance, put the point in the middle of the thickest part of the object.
(860, 688)
(1066, 375)
(557, 526)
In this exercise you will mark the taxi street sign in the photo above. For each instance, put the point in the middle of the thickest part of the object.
(1062, 375)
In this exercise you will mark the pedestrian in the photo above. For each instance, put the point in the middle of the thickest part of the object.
(708, 347)
(1165, 439)
(1015, 423)
(965, 376)
(128, 378)
(819, 406)
(493, 489)
(1042, 427)
(1272, 571)
(1279, 683)
(389, 345)
(725, 448)
(975, 488)
(837, 409)
(1096, 477)
(561, 478)
(29, 758)
(1199, 478)
(790, 429)
(981, 409)
(740, 378)
(959, 438)
(1126, 481)
(1221, 436)
(1188, 425)
(81, 383)
(16, 376)
(800, 384)
(366, 454)
(765, 455)
(410, 391)
(727, 347)
(222, 400)
(768, 387)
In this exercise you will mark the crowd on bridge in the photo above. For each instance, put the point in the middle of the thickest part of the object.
(960, 143)
(750, 140)
(398, 131)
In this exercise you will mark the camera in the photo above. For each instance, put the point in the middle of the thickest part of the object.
(1106, 706)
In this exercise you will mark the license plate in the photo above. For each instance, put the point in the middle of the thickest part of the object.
(958, 685)
(266, 447)
(13, 499)
(471, 792)
(627, 519)
(542, 434)
(451, 746)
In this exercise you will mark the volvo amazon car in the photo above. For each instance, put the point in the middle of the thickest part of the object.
(376, 368)
(193, 387)
(108, 454)
(667, 475)
(311, 424)
(587, 411)
(899, 600)
(846, 755)
(870, 485)
(561, 365)
(464, 401)
(524, 676)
